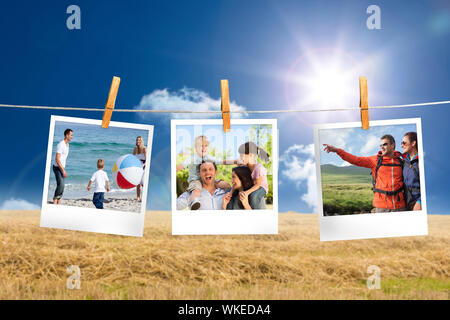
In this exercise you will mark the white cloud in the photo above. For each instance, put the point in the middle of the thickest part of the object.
(345, 164)
(302, 149)
(299, 164)
(18, 204)
(371, 145)
(335, 137)
(186, 99)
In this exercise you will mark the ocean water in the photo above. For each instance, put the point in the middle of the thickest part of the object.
(90, 143)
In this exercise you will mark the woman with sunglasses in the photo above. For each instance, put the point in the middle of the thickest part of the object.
(411, 178)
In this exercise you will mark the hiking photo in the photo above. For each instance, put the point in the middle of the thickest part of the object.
(370, 183)
(370, 171)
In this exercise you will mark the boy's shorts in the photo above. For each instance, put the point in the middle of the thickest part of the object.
(197, 184)
(97, 199)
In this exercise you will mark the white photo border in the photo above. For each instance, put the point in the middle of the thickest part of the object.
(91, 219)
(379, 225)
(213, 222)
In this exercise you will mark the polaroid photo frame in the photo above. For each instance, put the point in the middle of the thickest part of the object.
(367, 225)
(218, 221)
(118, 219)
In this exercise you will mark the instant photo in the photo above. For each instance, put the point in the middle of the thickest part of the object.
(371, 183)
(96, 178)
(224, 183)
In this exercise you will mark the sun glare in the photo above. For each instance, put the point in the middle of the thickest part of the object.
(329, 87)
(323, 79)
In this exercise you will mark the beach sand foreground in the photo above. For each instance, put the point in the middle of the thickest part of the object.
(291, 265)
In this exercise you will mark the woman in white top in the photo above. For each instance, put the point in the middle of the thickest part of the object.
(140, 151)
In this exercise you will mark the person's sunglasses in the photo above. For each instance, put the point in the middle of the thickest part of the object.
(404, 143)
(383, 145)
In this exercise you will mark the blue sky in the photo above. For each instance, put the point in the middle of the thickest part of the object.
(229, 142)
(276, 55)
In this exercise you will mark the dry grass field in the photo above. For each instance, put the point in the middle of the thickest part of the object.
(291, 265)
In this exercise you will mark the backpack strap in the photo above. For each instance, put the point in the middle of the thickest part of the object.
(379, 164)
(416, 172)
(374, 178)
(389, 193)
(392, 165)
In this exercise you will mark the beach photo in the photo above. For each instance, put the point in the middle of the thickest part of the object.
(93, 170)
(372, 176)
(219, 175)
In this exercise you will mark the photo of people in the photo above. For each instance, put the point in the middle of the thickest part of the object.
(222, 172)
(365, 174)
(394, 174)
(243, 186)
(93, 170)
(77, 167)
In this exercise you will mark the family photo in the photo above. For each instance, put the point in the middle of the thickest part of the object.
(96, 179)
(97, 168)
(370, 171)
(218, 171)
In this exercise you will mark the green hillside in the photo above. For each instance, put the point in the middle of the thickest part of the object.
(346, 190)
(330, 168)
(344, 175)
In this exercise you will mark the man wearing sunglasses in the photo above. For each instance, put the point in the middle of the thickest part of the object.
(386, 172)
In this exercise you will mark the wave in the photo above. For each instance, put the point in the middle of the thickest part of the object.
(80, 191)
(102, 144)
(83, 186)
(106, 151)
(121, 190)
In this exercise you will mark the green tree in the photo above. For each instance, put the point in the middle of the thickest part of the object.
(261, 135)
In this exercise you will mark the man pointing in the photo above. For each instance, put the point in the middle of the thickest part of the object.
(386, 172)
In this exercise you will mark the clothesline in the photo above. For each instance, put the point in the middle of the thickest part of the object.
(219, 112)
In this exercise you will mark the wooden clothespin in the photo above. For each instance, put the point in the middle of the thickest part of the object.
(109, 107)
(225, 106)
(364, 103)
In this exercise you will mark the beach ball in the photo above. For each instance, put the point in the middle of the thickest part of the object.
(127, 171)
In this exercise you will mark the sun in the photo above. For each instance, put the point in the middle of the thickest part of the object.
(323, 79)
(329, 87)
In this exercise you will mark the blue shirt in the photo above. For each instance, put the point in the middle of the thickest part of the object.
(207, 200)
(410, 179)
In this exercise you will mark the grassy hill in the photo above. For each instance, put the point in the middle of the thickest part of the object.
(344, 175)
(346, 190)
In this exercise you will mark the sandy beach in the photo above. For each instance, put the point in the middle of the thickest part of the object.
(119, 202)
(291, 265)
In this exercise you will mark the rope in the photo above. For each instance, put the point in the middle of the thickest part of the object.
(219, 112)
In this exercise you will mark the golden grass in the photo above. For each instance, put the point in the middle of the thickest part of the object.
(291, 265)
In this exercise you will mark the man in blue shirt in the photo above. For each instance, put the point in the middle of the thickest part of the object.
(210, 197)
